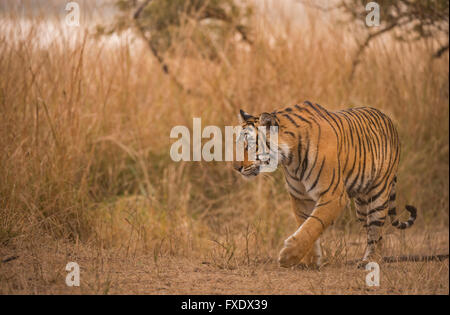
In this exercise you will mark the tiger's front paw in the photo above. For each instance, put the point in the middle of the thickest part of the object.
(291, 254)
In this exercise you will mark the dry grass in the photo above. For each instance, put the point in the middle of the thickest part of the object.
(85, 173)
(40, 270)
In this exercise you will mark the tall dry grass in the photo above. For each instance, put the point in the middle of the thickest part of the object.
(84, 132)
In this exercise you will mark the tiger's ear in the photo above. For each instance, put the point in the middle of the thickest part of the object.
(268, 120)
(243, 116)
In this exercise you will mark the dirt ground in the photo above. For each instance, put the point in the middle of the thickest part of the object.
(40, 269)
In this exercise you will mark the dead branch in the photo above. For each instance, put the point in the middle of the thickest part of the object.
(153, 49)
(408, 258)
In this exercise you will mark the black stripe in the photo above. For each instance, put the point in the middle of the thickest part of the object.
(291, 120)
(301, 199)
(377, 209)
(361, 213)
(318, 176)
(370, 242)
(376, 223)
(326, 190)
(294, 189)
(302, 119)
(305, 159)
(361, 202)
(290, 133)
(323, 204)
(299, 151)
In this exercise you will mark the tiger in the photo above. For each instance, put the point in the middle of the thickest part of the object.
(328, 159)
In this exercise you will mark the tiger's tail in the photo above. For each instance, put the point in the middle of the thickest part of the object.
(403, 224)
(393, 213)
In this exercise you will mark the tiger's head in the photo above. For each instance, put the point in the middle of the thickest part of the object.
(260, 144)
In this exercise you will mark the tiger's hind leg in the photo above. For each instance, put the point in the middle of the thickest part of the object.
(373, 213)
(302, 209)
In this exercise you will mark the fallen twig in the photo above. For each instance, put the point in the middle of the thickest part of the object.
(9, 259)
(408, 258)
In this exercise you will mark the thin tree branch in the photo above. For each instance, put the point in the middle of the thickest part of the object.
(367, 41)
(139, 10)
(153, 49)
(440, 51)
